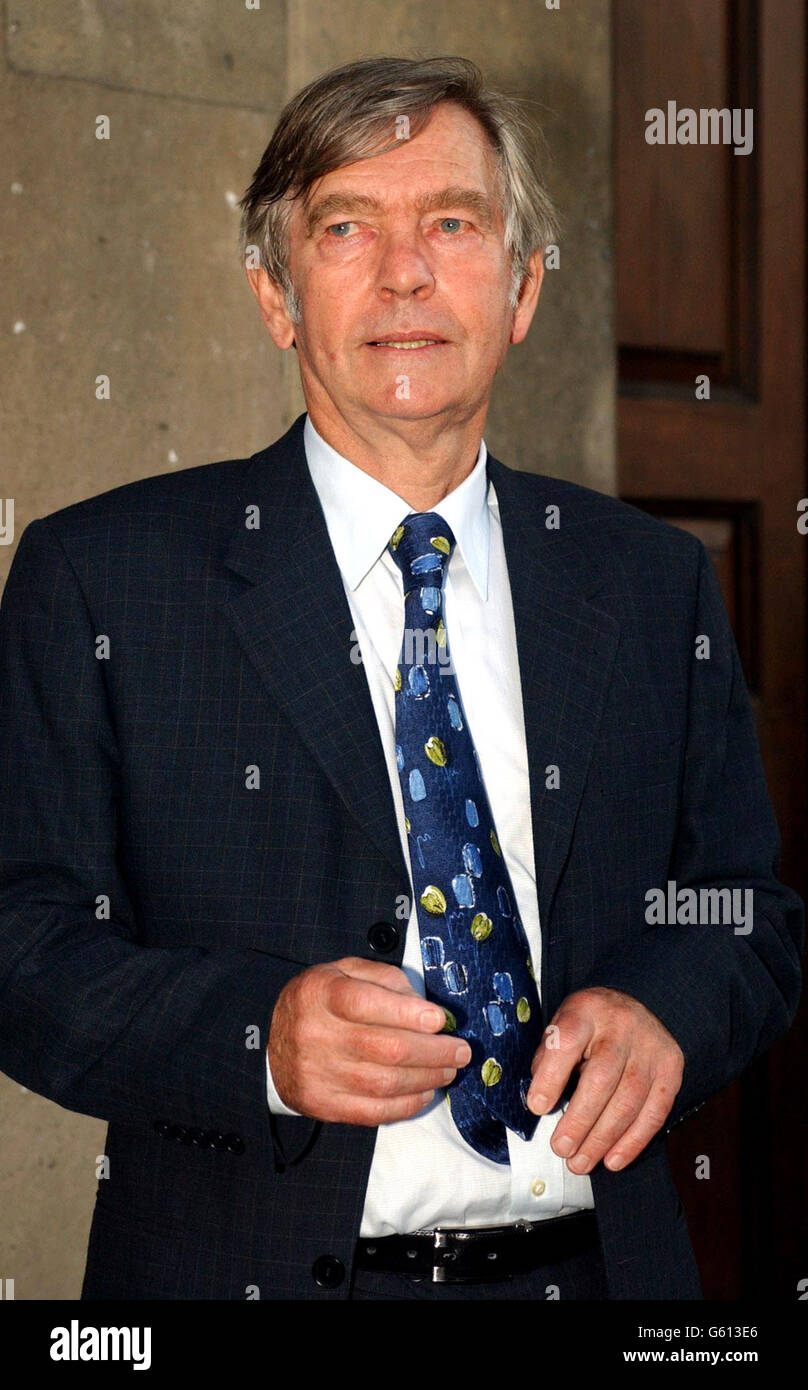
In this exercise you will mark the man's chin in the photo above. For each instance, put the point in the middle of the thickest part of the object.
(425, 405)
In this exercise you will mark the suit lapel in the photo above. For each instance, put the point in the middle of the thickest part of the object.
(566, 648)
(295, 624)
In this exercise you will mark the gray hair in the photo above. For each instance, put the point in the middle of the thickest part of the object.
(343, 116)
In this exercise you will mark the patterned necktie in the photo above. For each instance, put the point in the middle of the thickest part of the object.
(474, 951)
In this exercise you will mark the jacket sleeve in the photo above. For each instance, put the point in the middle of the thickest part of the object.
(724, 992)
(90, 1016)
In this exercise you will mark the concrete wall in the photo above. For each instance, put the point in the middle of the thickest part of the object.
(123, 263)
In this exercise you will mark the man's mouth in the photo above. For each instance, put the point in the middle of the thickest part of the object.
(408, 345)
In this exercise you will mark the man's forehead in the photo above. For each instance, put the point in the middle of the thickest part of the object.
(477, 179)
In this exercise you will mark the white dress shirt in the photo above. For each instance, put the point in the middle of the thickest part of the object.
(423, 1172)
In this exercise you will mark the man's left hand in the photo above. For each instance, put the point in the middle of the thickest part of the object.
(630, 1071)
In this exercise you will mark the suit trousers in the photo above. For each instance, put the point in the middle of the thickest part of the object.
(581, 1276)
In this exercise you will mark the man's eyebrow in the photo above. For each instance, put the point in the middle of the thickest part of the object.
(452, 196)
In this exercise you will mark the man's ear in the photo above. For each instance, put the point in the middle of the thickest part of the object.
(528, 297)
(272, 305)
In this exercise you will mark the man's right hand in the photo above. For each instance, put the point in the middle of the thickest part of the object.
(352, 1042)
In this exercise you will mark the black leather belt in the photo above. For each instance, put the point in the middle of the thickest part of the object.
(488, 1253)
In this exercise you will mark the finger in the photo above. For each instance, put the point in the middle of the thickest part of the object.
(562, 1046)
(599, 1078)
(616, 1119)
(386, 1083)
(376, 972)
(364, 1110)
(398, 1047)
(359, 1000)
(650, 1120)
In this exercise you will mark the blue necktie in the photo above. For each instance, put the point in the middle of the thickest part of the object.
(475, 955)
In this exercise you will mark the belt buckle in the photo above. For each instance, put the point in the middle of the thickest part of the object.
(440, 1242)
(442, 1267)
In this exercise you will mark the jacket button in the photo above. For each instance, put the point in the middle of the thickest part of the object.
(383, 938)
(161, 1127)
(328, 1272)
(178, 1132)
(234, 1144)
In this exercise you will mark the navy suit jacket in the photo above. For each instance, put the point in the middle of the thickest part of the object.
(154, 649)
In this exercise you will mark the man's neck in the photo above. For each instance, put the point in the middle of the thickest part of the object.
(421, 461)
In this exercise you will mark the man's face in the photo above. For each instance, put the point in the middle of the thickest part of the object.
(406, 241)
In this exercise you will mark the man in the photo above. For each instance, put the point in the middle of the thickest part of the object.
(279, 883)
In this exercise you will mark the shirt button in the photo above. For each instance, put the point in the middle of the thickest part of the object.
(538, 1187)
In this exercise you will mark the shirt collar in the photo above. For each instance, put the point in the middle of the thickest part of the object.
(361, 514)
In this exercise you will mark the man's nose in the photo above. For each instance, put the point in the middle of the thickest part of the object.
(404, 263)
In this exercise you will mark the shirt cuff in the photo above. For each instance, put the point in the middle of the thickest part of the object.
(274, 1101)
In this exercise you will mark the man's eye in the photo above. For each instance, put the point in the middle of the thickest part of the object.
(337, 228)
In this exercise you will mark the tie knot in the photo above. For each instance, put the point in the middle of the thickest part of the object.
(421, 547)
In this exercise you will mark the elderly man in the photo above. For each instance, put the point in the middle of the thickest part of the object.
(349, 771)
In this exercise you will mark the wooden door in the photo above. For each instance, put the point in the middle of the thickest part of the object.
(711, 335)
